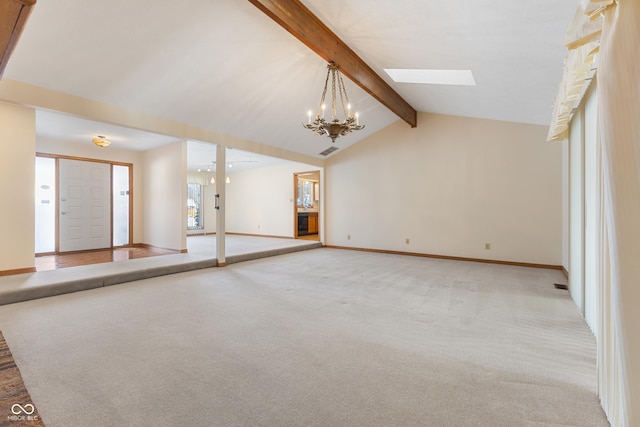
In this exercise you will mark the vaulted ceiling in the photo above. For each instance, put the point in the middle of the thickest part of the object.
(225, 66)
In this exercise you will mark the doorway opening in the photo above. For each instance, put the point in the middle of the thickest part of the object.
(81, 204)
(307, 207)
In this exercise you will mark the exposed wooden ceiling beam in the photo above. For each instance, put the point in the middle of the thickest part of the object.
(294, 17)
(13, 16)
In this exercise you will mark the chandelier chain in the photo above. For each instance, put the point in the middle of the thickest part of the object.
(324, 94)
(343, 96)
(334, 108)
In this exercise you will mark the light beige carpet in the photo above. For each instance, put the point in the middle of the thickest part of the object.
(323, 337)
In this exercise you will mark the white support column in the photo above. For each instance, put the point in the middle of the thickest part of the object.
(221, 161)
(17, 174)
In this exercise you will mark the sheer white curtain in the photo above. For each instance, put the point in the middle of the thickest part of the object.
(201, 178)
(605, 34)
(619, 124)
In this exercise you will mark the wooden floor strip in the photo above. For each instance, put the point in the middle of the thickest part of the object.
(16, 407)
(57, 261)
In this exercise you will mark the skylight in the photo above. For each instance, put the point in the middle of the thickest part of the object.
(433, 77)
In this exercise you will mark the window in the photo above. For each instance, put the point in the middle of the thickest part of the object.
(121, 201)
(45, 223)
(194, 207)
(305, 193)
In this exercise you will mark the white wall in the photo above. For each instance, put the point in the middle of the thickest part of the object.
(23, 94)
(17, 192)
(450, 185)
(260, 200)
(165, 196)
(90, 151)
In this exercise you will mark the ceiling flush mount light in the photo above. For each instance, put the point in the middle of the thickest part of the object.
(433, 77)
(334, 127)
(101, 141)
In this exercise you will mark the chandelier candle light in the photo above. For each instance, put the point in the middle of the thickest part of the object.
(334, 128)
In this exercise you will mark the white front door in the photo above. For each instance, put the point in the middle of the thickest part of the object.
(85, 205)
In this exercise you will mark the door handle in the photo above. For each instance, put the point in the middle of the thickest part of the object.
(217, 206)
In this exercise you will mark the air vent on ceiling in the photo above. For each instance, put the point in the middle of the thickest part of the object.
(328, 151)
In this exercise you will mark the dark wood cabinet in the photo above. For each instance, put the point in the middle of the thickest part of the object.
(313, 223)
(307, 223)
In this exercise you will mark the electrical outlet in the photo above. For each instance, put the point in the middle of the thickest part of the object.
(348, 236)
(487, 246)
(407, 241)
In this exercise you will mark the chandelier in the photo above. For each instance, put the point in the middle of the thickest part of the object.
(335, 127)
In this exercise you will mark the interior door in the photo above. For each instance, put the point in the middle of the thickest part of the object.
(307, 206)
(85, 205)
